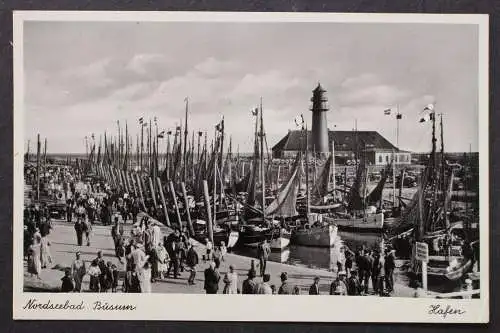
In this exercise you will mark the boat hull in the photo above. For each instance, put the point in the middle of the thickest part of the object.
(373, 222)
(317, 236)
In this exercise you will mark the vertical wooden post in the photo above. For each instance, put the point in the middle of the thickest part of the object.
(131, 179)
(163, 202)
(424, 275)
(152, 189)
(174, 197)
(38, 168)
(140, 192)
(190, 225)
(209, 216)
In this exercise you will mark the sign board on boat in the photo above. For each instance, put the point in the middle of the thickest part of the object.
(422, 252)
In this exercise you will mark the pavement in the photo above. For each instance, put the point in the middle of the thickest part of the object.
(63, 246)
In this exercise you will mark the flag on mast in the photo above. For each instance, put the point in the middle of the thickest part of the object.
(429, 113)
(387, 112)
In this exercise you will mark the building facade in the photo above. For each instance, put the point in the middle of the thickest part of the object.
(349, 147)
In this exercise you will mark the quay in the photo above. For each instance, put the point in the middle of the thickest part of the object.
(64, 246)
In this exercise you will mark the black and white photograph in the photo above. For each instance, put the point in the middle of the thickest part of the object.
(268, 154)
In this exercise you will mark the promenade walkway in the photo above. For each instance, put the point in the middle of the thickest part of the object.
(64, 247)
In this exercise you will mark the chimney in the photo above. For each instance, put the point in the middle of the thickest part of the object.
(319, 131)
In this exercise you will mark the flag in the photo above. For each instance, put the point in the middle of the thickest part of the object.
(429, 107)
(429, 110)
(141, 120)
(220, 126)
(169, 132)
(177, 128)
(427, 117)
(161, 134)
(399, 116)
(299, 120)
(255, 112)
(387, 112)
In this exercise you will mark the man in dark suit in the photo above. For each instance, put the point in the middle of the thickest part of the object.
(212, 278)
(173, 253)
(314, 289)
(192, 260)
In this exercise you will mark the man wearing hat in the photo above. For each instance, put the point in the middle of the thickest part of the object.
(212, 278)
(264, 287)
(314, 289)
(284, 288)
(249, 286)
(338, 286)
(353, 284)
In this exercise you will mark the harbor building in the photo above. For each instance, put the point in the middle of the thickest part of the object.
(349, 145)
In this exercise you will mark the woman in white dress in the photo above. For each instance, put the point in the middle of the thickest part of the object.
(145, 278)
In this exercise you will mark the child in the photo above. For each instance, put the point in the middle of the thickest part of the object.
(114, 274)
(223, 250)
(67, 282)
(209, 247)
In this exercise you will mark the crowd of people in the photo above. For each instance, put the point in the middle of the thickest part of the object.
(146, 256)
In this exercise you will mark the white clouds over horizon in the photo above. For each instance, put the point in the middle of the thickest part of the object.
(82, 77)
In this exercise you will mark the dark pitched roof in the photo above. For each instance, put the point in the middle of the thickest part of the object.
(344, 141)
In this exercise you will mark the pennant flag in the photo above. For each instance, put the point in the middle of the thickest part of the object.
(178, 128)
(387, 112)
(161, 134)
(255, 112)
(141, 120)
(169, 132)
(399, 116)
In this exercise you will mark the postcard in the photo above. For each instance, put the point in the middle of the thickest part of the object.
(290, 167)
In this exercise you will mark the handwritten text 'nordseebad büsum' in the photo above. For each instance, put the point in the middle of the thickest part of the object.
(34, 304)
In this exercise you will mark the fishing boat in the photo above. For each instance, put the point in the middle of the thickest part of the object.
(369, 222)
(315, 233)
(450, 248)
(258, 224)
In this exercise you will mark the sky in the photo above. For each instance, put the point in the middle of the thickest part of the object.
(81, 77)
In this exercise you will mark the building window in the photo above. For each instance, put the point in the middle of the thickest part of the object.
(380, 159)
(386, 159)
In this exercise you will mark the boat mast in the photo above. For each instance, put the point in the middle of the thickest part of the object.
(262, 169)
(307, 176)
(185, 142)
(333, 168)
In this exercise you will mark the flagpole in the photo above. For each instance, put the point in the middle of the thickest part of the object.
(397, 127)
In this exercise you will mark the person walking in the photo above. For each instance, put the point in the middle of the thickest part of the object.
(212, 278)
(145, 278)
(249, 286)
(94, 272)
(264, 288)
(389, 266)
(338, 286)
(284, 288)
(67, 283)
(353, 285)
(314, 289)
(263, 253)
(34, 257)
(192, 261)
(79, 232)
(231, 281)
(78, 271)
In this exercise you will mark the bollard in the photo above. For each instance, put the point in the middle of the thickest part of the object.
(468, 287)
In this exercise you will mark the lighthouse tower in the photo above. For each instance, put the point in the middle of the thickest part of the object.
(319, 131)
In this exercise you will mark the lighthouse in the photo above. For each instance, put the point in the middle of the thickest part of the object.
(319, 131)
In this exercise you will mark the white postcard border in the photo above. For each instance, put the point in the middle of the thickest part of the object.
(238, 307)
